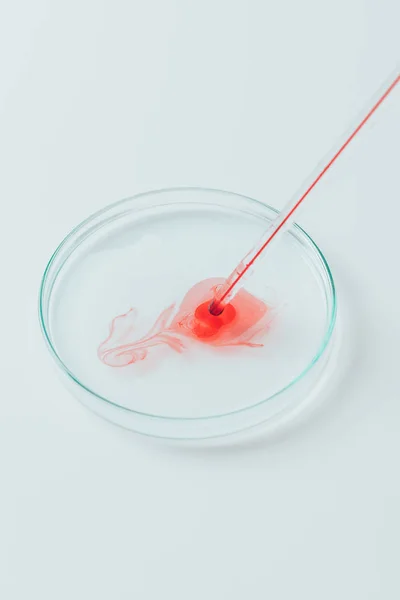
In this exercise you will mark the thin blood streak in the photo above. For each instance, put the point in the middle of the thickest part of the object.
(243, 323)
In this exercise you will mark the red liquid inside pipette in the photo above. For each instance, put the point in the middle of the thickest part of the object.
(219, 301)
(206, 315)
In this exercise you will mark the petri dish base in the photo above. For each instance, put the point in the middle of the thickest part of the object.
(143, 254)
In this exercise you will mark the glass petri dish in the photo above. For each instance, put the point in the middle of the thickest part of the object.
(143, 254)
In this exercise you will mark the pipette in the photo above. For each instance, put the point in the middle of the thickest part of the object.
(226, 292)
(215, 311)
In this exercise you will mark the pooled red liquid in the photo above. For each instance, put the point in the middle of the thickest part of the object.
(242, 323)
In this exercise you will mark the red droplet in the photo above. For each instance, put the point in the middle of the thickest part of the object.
(206, 325)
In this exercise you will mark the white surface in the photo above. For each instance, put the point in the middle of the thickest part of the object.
(99, 100)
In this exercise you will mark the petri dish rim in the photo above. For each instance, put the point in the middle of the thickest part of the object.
(44, 292)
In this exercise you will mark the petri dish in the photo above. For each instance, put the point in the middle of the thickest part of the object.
(141, 255)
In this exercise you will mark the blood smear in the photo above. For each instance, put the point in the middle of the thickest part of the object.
(242, 323)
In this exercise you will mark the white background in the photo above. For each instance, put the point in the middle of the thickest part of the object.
(100, 100)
